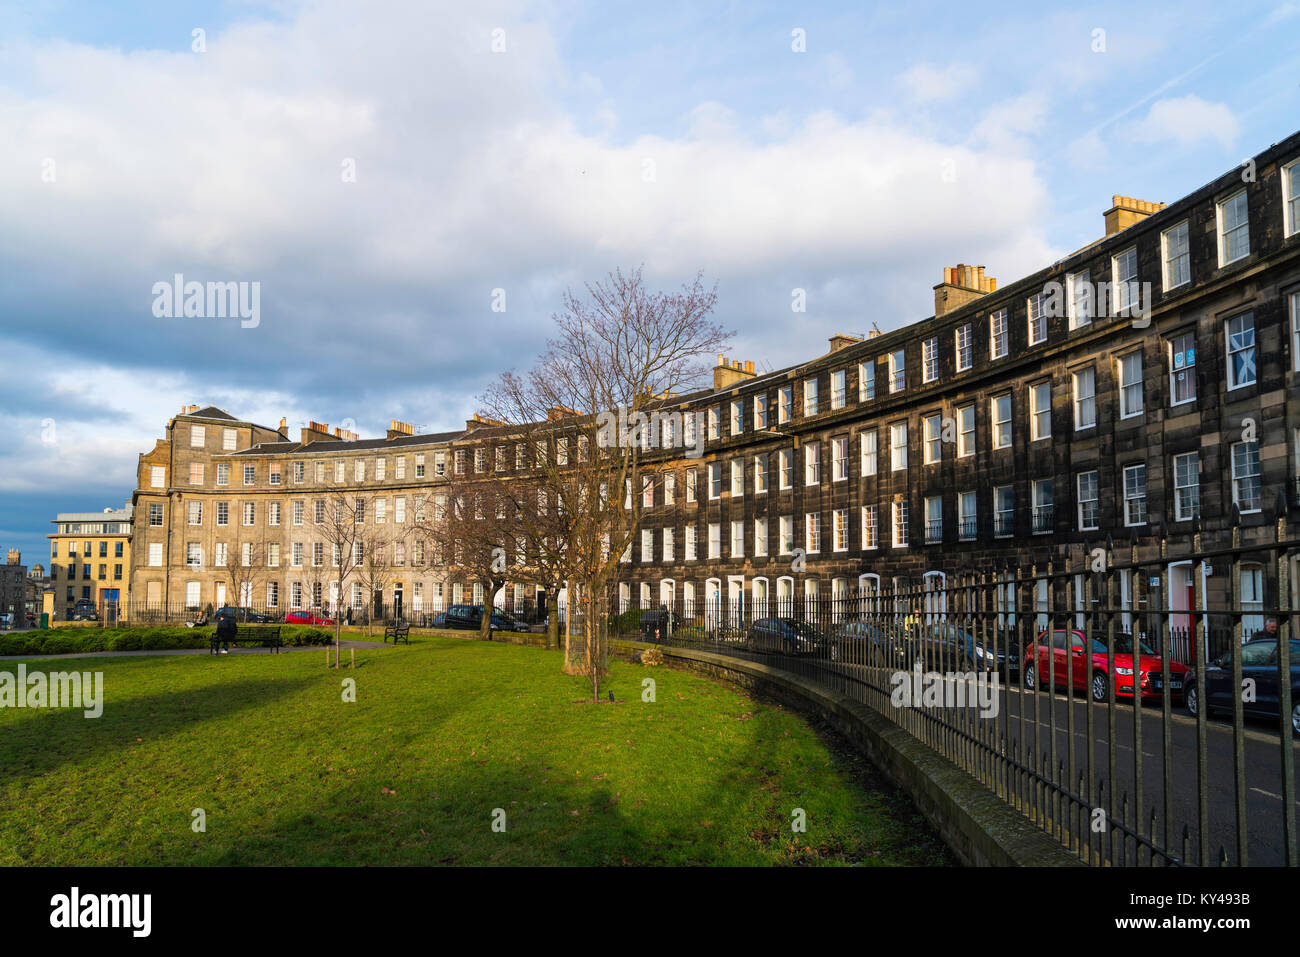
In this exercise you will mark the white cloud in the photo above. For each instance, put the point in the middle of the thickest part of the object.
(926, 82)
(1187, 121)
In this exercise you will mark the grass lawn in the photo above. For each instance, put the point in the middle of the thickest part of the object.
(442, 733)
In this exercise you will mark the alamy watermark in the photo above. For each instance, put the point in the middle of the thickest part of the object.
(934, 689)
(657, 430)
(179, 299)
(59, 689)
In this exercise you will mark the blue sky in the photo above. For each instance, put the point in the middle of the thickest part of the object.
(684, 136)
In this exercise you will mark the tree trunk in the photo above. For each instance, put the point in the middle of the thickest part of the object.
(553, 618)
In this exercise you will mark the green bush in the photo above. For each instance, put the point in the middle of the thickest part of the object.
(83, 640)
(626, 623)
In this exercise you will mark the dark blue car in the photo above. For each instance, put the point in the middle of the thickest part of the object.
(1259, 665)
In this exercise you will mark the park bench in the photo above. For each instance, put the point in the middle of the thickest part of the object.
(258, 635)
(398, 631)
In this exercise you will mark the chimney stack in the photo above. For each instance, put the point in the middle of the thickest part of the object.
(961, 284)
(728, 373)
(1125, 211)
(840, 341)
(397, 429)
(14, 557)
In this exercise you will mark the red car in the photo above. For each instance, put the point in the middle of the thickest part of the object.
(306, 618)
(1089, 670)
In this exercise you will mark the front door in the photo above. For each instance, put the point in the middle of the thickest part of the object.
(397, 601)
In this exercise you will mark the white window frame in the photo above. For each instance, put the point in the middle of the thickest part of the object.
(1171, 263)
(963, 348)
(1081, 401)
(1001, 434)
(1229, 353)
(929, 359)
(999, 339)
(1222, 233)
(1038, 415)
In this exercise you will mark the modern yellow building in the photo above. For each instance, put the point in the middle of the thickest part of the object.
(90, 558)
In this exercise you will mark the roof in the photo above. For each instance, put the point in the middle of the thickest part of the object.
(117, 515)
(340, 445)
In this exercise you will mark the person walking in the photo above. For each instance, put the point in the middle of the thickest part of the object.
(226, 628)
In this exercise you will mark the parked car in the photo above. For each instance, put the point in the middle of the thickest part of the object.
(1072, 653)
(866, 643)
(246, 615)
(657, 624)
(785, 636)
(470, 617)
(1258, 663)
(85, 610)
(307, 618)
(951, 644)
(436, 621)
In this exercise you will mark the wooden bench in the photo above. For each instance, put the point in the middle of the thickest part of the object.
(269, 637)
(398, 631)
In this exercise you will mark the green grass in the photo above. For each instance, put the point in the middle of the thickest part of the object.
(441, 734)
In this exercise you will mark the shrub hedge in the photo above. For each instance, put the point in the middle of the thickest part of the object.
(82, 640)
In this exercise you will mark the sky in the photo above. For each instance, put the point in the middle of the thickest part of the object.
(413, 185)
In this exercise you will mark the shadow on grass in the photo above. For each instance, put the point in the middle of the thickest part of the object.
(52, 737)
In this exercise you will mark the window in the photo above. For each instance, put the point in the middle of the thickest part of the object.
(784, 403)
(480, 462)
(760, 474)
(785, 461)
(933, 519)
(1078, 292)
(295, 557)
(900, 524)
(715, 480)
(840, 530)
(1135, 495)
(870, 529)
(1085, 399)
(223, 473)
(1004, 502)
(273, 513)
(1187, 491)
(155, 554)
(669, 545)
(1241, 351)
(737, 478)
(897, 371)
(714, 423)
(760, 537)
(1177, 256)
(1130, 385)
(670, 489)
(838, 388)
(967, 518)
(157, 476)
(250, 475)
(963, 351)
(1087, 501)
(839, 460)
(273, 476)
(898, 447)
(965, 431)
(1252, 606)
(1182, 369)
(692, 477)
(381, 511)
(440, 461)
(932, 427)
(810, 397)
(1001, 412)
(197, 436)
(737, 539)
(196, 473)
(813, 532)
(1291, 198)
(155, 520)
(869, 453)
(760, 412)
(998, 334)
(1037, 319)
(1245, 476)
(866, 380)
(647, 491)
(690, 543)
(228, 440)
(737, 416)
(273, 554)
(785, 534)
(715, 540)
(399, 466)
(1123, 273)
(812, 463)
(647, 545)
(1044, 515)
(1040, 411)
(1234, 229)
(195, 513)
(929, 360)
(1295, 330)
(299, 472)
(250, 513)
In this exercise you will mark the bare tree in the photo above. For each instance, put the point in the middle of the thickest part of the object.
(246, 569)
(375, 572)
(594, 409)
(341, 526)
(473, 533)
